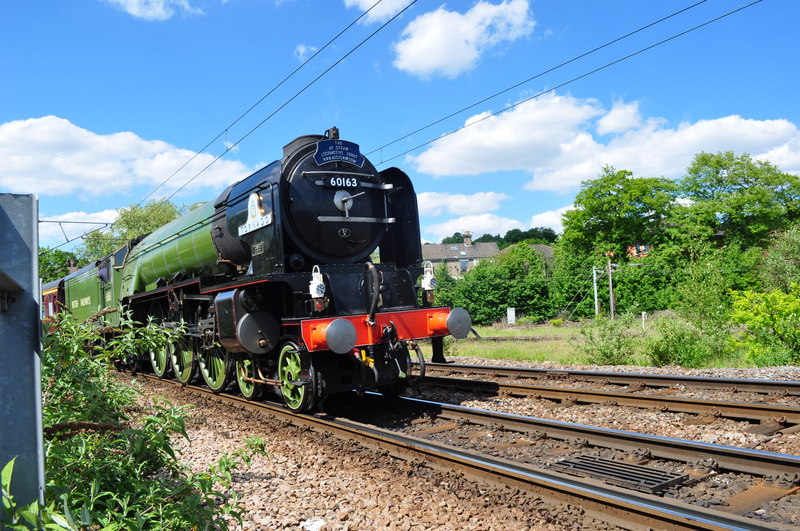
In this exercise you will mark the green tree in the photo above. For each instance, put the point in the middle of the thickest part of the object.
(737, 199)
(616, 210)
(516, 278)
(53, 263)
(779, 266)
(457, 237)
(132, 222)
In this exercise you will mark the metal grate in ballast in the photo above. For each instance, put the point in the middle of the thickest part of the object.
(637, 477)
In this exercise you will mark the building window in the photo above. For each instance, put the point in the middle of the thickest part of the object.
(463, 264)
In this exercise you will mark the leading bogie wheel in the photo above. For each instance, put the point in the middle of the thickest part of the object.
(246, 372)
(294, 366)
(183, 359)
(215, 367)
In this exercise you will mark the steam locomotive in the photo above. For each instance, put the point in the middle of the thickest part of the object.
(305, 277)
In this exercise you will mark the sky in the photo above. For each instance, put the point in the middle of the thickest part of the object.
(498, 109)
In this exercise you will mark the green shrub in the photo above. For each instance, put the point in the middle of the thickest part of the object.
(772, 325)
(679, 342)
(610, 341)
(105, 468)
(556, 322)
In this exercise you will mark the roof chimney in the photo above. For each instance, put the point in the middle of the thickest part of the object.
(467, 238)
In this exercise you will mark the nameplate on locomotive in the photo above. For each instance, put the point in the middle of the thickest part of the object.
(338, 151)
(257, 216)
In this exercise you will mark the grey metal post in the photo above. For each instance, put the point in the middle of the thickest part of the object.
(596, 300)
(20, 325)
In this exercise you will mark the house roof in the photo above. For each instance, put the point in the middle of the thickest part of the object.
(438, 252)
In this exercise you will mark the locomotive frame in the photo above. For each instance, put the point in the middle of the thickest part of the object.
(273, 283)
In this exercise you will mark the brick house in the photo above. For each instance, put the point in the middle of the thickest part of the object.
(459, 257)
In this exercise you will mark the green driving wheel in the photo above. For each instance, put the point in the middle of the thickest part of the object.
(159, 356)
(182, 356)
(246, 372)
(297, 396)
(159, 359)
(215, 367)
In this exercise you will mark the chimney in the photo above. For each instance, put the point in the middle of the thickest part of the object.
(467, 238)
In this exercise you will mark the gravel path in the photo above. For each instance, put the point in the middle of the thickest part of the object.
(318, 483)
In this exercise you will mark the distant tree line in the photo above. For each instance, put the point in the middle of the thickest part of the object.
(540, 235)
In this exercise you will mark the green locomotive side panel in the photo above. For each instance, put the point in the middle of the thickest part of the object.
(181, 246)
(91, 289)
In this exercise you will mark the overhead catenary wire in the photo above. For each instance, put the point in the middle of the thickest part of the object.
(577, 78)
(298, 93)
(573, 80)
(257, 103)
(225, 131)
(536, 76)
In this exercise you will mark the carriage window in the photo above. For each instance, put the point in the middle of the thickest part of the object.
(119, 256)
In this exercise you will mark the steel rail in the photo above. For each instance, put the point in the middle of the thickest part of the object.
(788, 387)
(743, 460)
(608, 503)
(777, 413)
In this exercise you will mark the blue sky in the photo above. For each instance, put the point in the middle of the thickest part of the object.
(101, 101)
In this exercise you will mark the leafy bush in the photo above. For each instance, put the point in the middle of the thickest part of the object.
(610, 341)
(105, 468)
(772, 325)
(679, 342)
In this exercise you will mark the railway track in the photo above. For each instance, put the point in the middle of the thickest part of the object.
(770, 418)
(451, 438)
(640, 380)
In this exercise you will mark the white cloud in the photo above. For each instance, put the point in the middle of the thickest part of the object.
(550, 219)
(155, 9)
(550, 139)
(518, 139)
(436, 203)
(52, 156)
(382, 12)
(51, 234)
(448, 43)
(621, 118)
(303, 51)
(479, 225)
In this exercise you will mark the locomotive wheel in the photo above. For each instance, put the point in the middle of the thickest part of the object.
(183, 359)
(246, 367)
(392, 391)
(301, 397)
(159, 356)
(159, 359)
(215, 366)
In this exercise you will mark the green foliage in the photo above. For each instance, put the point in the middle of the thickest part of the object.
(703, 286)
(780, 265)
(541, 235)
(132, 222)
(517, 278)
(680, 342)
(740, 198)
(457, 237)
(616, 210)
(30, 516)
(610, 341)
(772, 325)
(53, 263)
(107, 469)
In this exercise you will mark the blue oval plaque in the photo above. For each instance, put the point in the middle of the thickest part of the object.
(338, 151)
